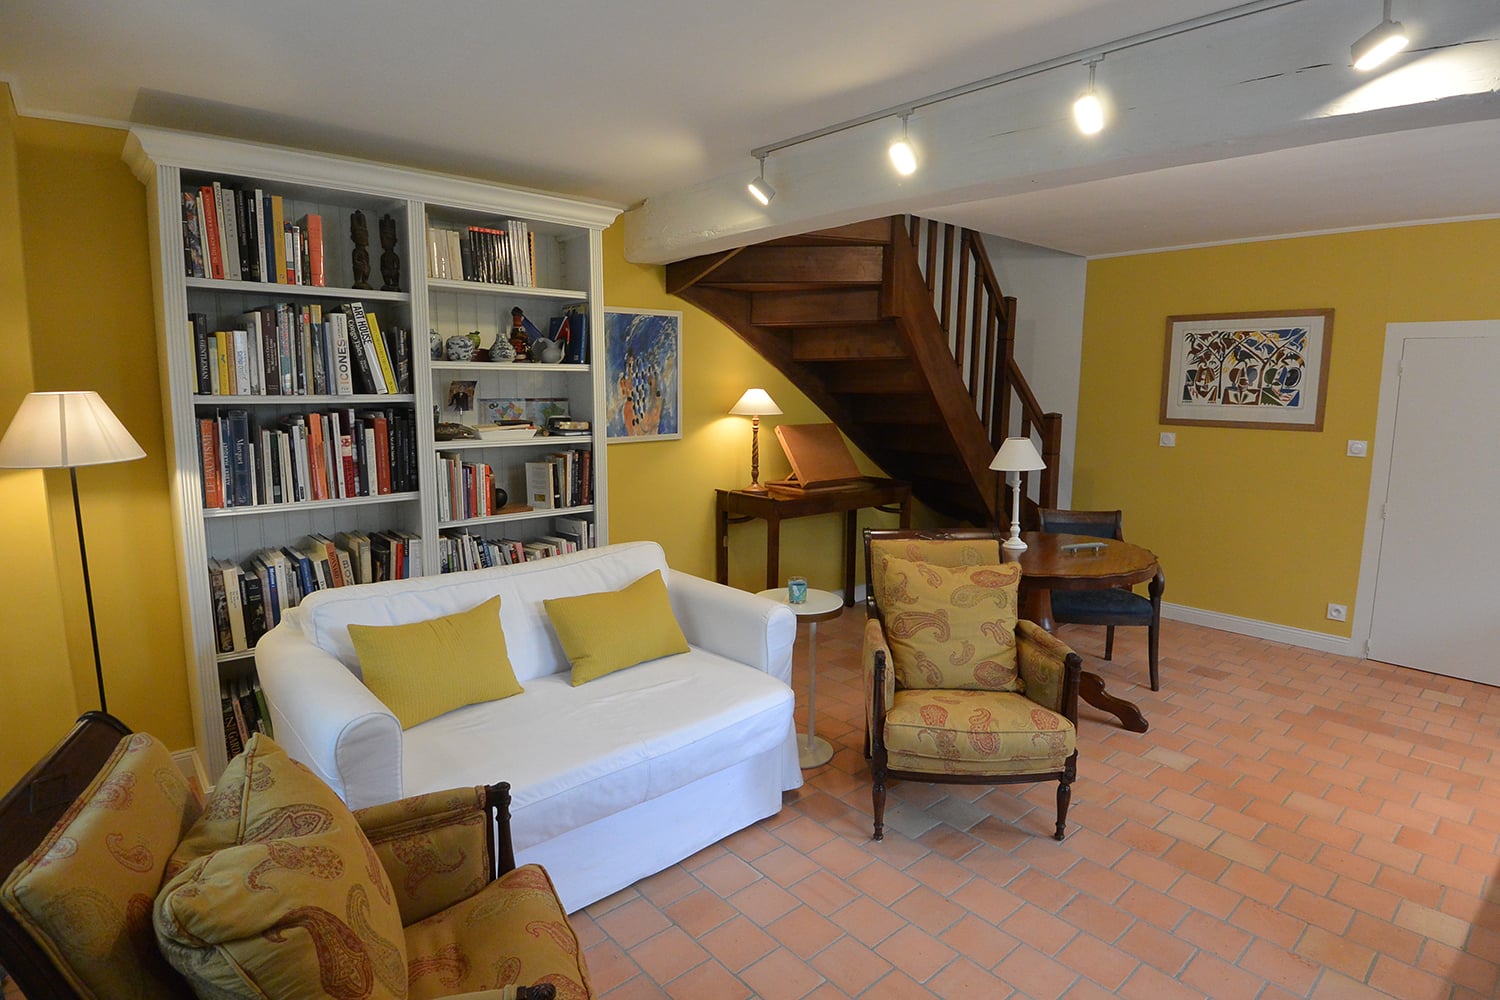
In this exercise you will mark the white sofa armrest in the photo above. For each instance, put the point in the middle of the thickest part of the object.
(325, 717)
(734, 624)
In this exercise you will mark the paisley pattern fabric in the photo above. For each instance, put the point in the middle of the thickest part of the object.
(436, 848)
(875, 643)
(86, 892)
(1042, 660)
(276, 893)
(512, 933)
(950, 627)
(975, 732)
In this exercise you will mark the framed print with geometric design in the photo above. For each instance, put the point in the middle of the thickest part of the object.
(1247, 369)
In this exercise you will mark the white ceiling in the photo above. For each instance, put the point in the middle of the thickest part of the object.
(623, 102)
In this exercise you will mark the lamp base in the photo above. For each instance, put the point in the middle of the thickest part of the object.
(754, 488)
(1013, 544)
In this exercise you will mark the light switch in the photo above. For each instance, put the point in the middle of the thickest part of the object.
(1358, 449)
(1168, 439)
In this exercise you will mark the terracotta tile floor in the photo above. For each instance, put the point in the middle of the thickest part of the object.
(1295, 824)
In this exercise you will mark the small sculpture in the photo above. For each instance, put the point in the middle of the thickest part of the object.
(547, 352)
(435, 345)
(502, 350)
(359, 232)
(390, 264)
(460, 347)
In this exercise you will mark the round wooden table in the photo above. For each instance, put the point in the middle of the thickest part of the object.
(820, 606)
(1046, 566)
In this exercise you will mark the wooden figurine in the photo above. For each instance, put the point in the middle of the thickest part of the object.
(359, 232)
(390, 264)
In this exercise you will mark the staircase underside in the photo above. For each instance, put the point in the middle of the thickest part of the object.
(844, 314)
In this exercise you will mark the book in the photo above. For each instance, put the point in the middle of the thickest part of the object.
(254, 603)
(208, 212)
(204, 380)
(369, 378)
(234, 744)
(507, 431)
(276, 229)
(244, 238)
(541, 485)
(576, 352)
(208, 455)
(223, 636)
(234, 599)
(312, 236)
(192, 237)
(387, 370)
(229, 233)
(263, 708)
(342, 375)
(398, 347)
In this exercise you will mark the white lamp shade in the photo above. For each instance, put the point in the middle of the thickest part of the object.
(1017, 454)
(755, 403)
(59, 430)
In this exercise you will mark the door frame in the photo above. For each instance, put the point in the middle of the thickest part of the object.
(1396, 336)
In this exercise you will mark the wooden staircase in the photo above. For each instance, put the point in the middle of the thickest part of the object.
(895, 328)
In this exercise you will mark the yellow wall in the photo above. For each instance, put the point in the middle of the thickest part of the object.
(665, 490)
(1266, 525)
(36, 685)
(88, 284)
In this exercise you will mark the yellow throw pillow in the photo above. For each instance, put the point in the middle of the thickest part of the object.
(609, 631)
(950, 626)
(282, 895)
(427, 668)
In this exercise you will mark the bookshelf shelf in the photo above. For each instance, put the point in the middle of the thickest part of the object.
(282, 508)
(523, 515)
(558, 253)
(298, 291)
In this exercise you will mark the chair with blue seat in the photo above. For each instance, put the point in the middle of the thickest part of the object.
(1121, 606)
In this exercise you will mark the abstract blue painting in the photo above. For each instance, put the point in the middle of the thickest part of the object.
(642, 374)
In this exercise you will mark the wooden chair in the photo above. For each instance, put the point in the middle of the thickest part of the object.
(113, 951)
(951, 713)
(1109, 608)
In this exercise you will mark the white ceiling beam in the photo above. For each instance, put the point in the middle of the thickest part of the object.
(1275, 80)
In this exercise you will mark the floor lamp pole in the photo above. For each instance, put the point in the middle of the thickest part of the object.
(88, 590)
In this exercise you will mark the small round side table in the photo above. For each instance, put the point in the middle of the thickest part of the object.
(820, 606)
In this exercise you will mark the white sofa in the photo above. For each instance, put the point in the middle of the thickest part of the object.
(611, 781)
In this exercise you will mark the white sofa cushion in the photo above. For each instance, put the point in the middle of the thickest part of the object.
(325, 616)
(575, 755)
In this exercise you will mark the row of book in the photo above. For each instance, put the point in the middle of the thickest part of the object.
(465, 489)
(249, 597)
(296, 349)
(300, 457)
(245, 712)
(561, 479)
(462, 550)
(243, 235)
(504, 255)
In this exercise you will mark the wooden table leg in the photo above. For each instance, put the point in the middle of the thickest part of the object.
(773, 552)
(721, 553)
(1036, 605)
(851, 527)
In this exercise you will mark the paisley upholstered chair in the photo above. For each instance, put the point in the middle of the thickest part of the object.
(120, 883)
(957, 689)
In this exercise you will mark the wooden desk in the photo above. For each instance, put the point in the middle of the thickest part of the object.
(738, 506)
(1045, 568)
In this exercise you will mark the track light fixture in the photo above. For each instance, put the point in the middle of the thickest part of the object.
(1088, 110)
(1380, 42)
(903, 157)
(760, 188)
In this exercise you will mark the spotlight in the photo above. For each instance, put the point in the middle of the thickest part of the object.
(760, 188)
(903, 157)
(1088, 110)
(1379, 43)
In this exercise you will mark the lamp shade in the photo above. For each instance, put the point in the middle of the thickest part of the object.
(59, 430)
(755, 403)
(1017, 454)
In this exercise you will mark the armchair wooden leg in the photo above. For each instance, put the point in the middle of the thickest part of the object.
(1064, 797)
(877, 791)
(542, 991)
(1109, 642)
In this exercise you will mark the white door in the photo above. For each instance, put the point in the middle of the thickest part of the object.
(1437, 593)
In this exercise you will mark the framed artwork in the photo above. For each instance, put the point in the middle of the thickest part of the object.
(642, 374)
(1248, 369)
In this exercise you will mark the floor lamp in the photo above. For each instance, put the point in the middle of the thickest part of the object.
(755, 403)
(63, 430)
(1018, 455)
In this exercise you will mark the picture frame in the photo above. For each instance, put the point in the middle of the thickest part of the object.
(1248, 369)
(642, 375)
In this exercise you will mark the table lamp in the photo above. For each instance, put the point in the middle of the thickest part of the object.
(755, 403)
(1018, 455)
(63, 430)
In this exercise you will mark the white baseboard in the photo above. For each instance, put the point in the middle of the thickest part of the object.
(1321, 641)
(191, 765)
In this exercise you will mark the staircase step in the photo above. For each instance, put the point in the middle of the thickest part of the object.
(908, 408)
(791, 267)
(816, 308)
(851, 343)
(849, 377)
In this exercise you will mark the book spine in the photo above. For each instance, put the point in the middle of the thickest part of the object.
(243, 385)
(208, 454)
(277, 238)
(202, 356)
(192, 236)
(229, 233)
(343, 375)
(244, 236)
(387, 370)
(312, 230)
(209, 213)
(366, 361)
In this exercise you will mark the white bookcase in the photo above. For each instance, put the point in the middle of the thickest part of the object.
(567, 252)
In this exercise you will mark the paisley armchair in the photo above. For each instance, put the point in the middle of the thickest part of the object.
(957, 689)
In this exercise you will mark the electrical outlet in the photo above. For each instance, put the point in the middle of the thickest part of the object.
(1338, 613)
(1358, 449)
(1168, 439)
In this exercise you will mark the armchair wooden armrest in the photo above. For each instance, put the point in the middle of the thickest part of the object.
(1049, 668)
(441, 847)
(880, 679)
